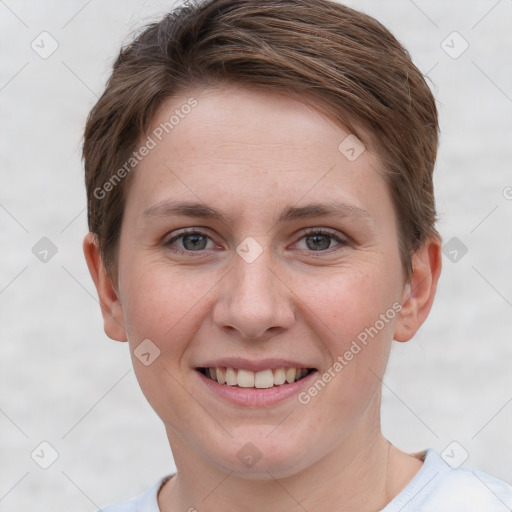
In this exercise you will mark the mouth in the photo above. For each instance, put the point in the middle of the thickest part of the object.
(263, 379)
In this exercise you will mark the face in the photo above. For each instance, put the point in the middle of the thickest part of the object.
(251, 242)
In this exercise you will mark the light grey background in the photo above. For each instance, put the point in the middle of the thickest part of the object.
(64, 382)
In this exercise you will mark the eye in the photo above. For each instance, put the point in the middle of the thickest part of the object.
(189, 241)
(320, 240)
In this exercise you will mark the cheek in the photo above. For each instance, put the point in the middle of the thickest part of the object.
(346, 301)
(346, 309)
(159, 302)
(163, 306)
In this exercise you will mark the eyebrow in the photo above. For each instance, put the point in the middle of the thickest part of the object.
(168, 208)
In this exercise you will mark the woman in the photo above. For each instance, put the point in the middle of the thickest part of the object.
(262, 226)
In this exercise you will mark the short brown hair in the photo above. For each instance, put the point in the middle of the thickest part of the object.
(347, 63)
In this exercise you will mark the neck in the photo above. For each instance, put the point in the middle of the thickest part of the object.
(337, 482)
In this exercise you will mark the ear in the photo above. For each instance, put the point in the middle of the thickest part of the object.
(111, 308)
(419, 292)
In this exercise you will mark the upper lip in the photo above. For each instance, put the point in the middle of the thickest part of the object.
(256, 366)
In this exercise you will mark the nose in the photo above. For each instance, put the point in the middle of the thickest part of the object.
(254, 301)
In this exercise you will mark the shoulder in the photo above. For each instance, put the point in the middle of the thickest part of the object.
(122, 506)
(440, 488)
(470, 490)
(145, 502)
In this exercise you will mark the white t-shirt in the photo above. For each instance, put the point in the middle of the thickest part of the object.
(437, 487)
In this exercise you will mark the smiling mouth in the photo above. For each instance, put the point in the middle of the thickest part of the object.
(260, 380)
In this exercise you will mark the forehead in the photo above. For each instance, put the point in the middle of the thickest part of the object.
(231, 120)
(254, 144)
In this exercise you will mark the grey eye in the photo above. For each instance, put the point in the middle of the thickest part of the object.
(318, 242)
(194, 242)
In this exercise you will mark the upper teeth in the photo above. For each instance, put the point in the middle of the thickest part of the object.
(250, 379)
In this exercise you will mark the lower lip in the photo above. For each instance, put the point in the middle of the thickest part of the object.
(253, 396)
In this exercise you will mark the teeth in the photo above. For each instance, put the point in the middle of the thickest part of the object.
(245, 379)
(260, 380)
(279, 376)
(264, 379)
(220, 374)
(231, 377)
(291, 373)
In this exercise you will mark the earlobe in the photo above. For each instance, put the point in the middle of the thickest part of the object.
(111, 308)
(419, 292)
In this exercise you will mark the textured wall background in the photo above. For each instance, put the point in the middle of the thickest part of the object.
(63, 382)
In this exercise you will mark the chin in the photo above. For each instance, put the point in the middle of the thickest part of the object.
(261, 459)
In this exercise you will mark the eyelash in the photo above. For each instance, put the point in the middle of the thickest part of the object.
(311, 231)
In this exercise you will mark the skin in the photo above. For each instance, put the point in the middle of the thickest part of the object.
(250, 153)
